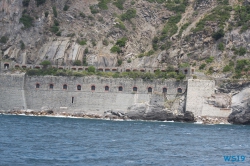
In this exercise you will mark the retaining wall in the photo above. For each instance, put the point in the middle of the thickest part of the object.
(22, 92)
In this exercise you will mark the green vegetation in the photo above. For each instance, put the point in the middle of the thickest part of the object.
(93, 43)
(121, 42)
(66, 7)
(84, 61)
(183, 28)
(54, 11)
(155, 42)
(27, 21)
(149, 53)
(184, 65)
(22, 45)
(221, 47)
(210, 59)
(120, 24)
(46, 14)
(82, 15)
(40, 2)
(242, 68)
(119, 4)
(242, 16)
(45, 63)
(92, 71)
(55, 28)
(4, 39)
(119, 62)
(219, 34)
(219, 14)
(176, 6)
(93, 9)
(202, 66)
(77, 63)
(115, 49)
(241, 51)
(128, 15)
(210, 70)
(157, 1)
(105, 42)
(171, 28)
(56, 23)
(103, 4)
(26, 3)
(82, 42)
(86, 51)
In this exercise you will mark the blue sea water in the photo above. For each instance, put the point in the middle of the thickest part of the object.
(26, 140)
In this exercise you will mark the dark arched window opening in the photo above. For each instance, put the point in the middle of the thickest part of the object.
(106, 88)
(164, 90)
(6, 66)
(150, 90)
(120, 88)
(134, 89)
(51, 86)
(179, 90)
(93, 87)
(186, 71)
(37, 86)
(65, 87)
(79, 87)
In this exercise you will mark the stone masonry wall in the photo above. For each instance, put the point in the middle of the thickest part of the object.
(22, 93)
(198, 95)
(12, 94)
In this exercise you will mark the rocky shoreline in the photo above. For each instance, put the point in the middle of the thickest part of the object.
(109, 115)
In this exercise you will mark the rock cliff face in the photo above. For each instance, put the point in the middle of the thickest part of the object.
(158, 33)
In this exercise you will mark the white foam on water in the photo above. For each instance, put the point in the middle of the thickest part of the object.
(199, 122)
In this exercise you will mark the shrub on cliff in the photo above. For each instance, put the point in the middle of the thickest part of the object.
(26, 3)
(219, 34)
(27, 21)
(45, 63)
(77, 63)
(3, 39)
(115, 49)
(91, 69)
(54, 11)
(40, 2)
(119, 4)
(130, 13)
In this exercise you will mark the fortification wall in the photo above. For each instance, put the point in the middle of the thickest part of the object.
(23, 92)
(12, 94)
(198, 94)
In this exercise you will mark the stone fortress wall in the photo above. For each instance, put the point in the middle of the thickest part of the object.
(82, 94)
(199, 94)
(97, 95)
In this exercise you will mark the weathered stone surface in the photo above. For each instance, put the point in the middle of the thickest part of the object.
(240, 117)
(156, 112)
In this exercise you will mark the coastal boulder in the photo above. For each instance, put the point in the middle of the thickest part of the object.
(241, 108)
(240, 116)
